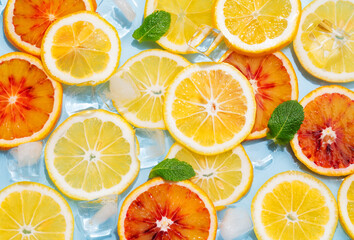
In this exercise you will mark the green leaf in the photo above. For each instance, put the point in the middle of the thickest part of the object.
(285, 121)
(172, 170)
(154, 27)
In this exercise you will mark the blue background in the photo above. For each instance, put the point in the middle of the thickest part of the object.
(283, 158)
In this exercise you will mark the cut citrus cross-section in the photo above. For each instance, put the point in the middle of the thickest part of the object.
(325, 140)
(25, 22)
(138, 88)
(273, 81)
(92, 154)
(210, 108)
(293, 205)
(186, 17)
(81, 48)
(324, 44)
(259, 26)
(346, 205)
(225, 177)
(167, 210)
(32, 211)
(30, 102)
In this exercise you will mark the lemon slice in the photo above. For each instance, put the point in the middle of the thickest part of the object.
(225, 177)
(34, 211)
(259, 26)
(81, 48)
(92, 154)
(346, 205)
(138, 88)
(186, 17)
(294, 205)
(210, 108)
(324, 44)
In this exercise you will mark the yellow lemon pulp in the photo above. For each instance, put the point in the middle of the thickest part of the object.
(328, 37)
(80, 49)
(256, 21)
(350, 206)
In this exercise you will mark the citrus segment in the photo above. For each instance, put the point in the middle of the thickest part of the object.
(346, 205)
(81, 48)
(325, 42)
(30, 101)
(273, 81)
(25, 22)
(92, 154)
(138, 88)
(167, 210)
(257, 27)
(294, 205)
(225, 177)
(210, 108)
(186, 17)
(34, 211)
(325, 140)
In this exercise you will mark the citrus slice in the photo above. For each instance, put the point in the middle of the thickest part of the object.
(138, 88)
(25, 22)
(81, 48)
(210, 108)
(225, 177)
(259, 26)
(186, 17)
(92, 154)
(273, 80)
(325, 140)
(346, 205)
(34, 211)
(294, 205)
(167, 210)
(30, 101)
(324, 44)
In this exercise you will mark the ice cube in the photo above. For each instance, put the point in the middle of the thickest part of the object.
(99, 217)
(123, 89)
(27, 154)
(152, 146)
(78, 98)
(262, 163)
(126, 9)
(236, 223)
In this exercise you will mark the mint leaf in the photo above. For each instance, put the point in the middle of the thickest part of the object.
(154, 27)
(285, 121)
(172, 170)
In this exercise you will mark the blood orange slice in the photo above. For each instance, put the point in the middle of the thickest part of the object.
(325, 140)
(25, 22)
(273, 81)
(167, 210)
(30, 102)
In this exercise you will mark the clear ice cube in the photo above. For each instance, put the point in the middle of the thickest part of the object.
(78, 98)
(209, 42)
(104, 97)
(123, 89)
(262, 163)
(23, 162)
(152, 146)
(99, 217)
(121, 14)
(236, 224)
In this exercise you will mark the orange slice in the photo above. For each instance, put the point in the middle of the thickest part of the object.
(210, 108)
(167, 210)
(273, 81)
(325, 140)
(30, 102)
(25, 22)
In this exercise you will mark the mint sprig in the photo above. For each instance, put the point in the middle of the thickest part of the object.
(172, 170)
(285, 121)
(154, 26)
